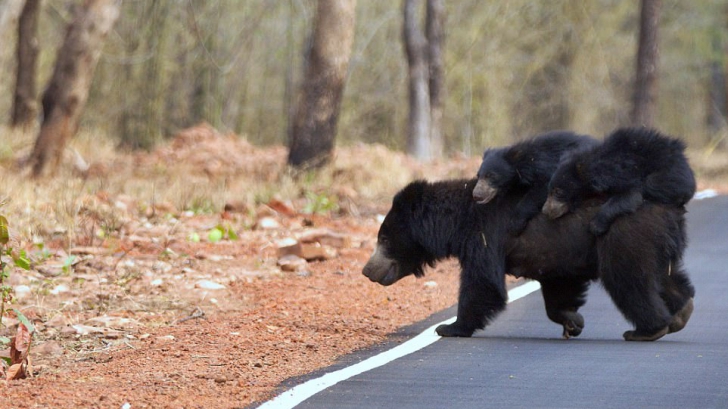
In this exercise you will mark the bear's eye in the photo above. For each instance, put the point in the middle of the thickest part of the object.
(383, 241)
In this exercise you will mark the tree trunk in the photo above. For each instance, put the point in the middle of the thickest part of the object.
(24, 102)
(645, 96)
(152, 106)
(9, 12)
(418, 123)
(67, 91)
(717, 94)
(435, 32)
(319, 102)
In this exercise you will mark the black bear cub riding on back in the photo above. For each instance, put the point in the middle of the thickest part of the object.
(529, 164)
(631, 165)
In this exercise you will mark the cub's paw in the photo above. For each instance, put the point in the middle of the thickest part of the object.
(642, 336)
(454, 330)
(598, 227)
(573, 324)
(517, 225)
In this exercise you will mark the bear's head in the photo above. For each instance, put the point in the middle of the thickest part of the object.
(398, 253)
(566, 188)
(495, 174)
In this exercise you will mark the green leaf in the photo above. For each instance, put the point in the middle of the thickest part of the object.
(232, 235)
(7, 359)
(194, 237)
(23, 320)
(4, 340)
(68, 264)
(22, 260)
(4, 235)
(215, 235)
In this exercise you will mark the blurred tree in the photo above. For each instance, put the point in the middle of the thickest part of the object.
(317, 108)
(142, 118)
(206, 94)
(24, 102)
(645, 90)
(9, 12)
(419, 122)
(435, 34)
(65, 96)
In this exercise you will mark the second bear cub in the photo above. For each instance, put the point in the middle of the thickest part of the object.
(631, 165)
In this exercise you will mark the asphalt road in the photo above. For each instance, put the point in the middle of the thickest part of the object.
(520, 361)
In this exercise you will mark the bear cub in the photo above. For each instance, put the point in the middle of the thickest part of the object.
(629, 166)
(526, 165)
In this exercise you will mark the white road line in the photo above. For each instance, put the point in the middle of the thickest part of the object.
(705, 194)
(298, 394)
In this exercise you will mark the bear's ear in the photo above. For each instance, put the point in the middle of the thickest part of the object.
(408, 197)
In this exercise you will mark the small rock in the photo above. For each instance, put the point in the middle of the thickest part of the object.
(288, 246)
(60, 288)
(49, 348)
(166, 338)
(57, 321)
(236, 206)
(291, 262)
(430, 284)
(316, 251)
(326, 237)
(284, 208)
(267, 223)
(21, 291)
(209, 285)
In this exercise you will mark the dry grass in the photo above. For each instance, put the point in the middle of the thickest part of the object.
(200, 171)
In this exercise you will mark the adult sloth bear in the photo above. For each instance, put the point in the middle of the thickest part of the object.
(639, 260)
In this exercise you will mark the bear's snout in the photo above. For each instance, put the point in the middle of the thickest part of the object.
(483, 191)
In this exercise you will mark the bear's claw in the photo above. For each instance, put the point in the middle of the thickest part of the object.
(453, 330)
(640, 336)
(680, 319)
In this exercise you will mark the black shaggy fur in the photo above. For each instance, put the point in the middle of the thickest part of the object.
(526, 164)
(631, 165)
(639, 261)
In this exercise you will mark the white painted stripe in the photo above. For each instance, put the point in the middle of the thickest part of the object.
(298, 394)
(705, 194)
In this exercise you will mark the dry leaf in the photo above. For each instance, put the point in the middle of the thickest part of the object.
(20, 345)
(15, 372)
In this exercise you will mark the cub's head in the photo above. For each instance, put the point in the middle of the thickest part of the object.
(398, 253)
(566, 188)
(494, 175)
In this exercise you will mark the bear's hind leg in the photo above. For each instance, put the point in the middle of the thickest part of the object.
(637, 297)
(678, 293)
(562, 298)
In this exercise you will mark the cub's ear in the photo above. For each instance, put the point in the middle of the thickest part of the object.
(516, 154)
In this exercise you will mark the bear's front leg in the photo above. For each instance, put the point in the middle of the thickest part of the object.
(480, 300)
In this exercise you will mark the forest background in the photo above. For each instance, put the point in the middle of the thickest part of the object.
(512, 68)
